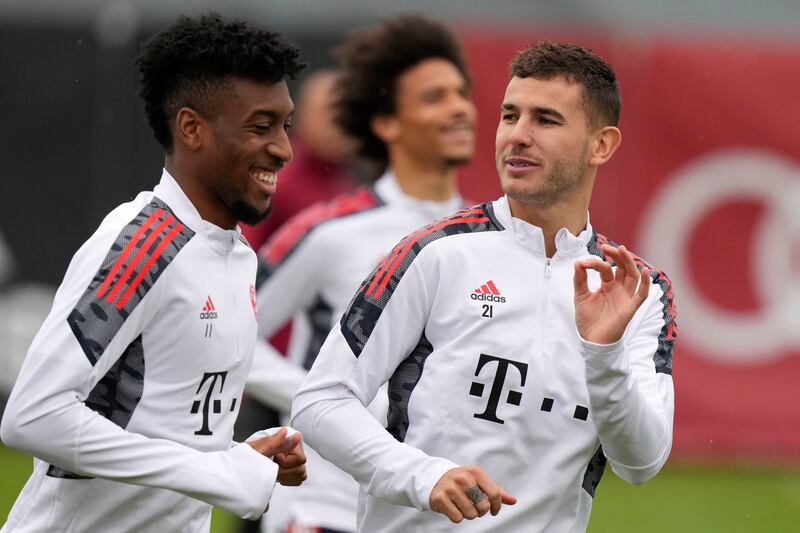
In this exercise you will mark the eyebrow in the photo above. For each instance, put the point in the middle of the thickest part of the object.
(266, 113)
(537, 110)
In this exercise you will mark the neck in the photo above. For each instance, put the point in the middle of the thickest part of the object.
(208, 206)
(423, 180)
(569, 213)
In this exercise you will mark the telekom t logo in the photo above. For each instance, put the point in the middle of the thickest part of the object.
(208, 403)
(514, 397)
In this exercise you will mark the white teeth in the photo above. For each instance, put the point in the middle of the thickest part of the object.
(266, 177)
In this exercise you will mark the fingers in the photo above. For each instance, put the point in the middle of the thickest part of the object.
(479, 499)
(580, 281)
(593, 263)
(267, 445)
(467, 492)
(495, 494)
(464, 503)
(644, 286)
(291, 462)
(278, 443)
(289, 445)
(507, 498)
(449, 509)
(292, 453)
(627, 271)
(292, 477)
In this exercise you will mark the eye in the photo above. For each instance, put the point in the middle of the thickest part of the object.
(546, 121)
(431, 97)
(508, 117)
(287, 125)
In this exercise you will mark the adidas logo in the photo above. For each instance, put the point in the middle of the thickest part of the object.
(488, 292)
(209, 311)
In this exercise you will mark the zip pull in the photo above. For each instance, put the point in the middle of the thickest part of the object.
(547, 269)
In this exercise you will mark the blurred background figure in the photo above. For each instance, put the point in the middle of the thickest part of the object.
(323, 167)
(323, 164)
(404, 95)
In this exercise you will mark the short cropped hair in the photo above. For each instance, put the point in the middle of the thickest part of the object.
(548, 59)
(373, 58)
(191, 64)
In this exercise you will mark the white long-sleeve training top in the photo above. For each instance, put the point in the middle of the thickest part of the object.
(308, 272)
(473, 329)
(129, 393)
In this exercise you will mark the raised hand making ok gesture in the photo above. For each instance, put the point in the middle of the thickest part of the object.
(602, 316)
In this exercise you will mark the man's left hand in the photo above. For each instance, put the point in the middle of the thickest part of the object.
(602, 316)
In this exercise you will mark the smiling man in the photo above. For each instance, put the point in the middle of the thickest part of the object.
(404, 96)
(522, 350)
(130, 390)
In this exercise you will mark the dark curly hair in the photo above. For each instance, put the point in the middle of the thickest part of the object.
(549, 59)
(372, 59)
(191, 63)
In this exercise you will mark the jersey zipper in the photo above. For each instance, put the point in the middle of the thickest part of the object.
(235, 294)
(545, 298)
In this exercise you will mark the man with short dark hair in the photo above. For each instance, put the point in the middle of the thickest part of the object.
(130, 390)
(404, 95)
(513, 337)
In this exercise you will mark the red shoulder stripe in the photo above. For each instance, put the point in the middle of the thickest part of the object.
(128, 272)
(390, 265)
(127, 251)
(298, 227)
(147, 266)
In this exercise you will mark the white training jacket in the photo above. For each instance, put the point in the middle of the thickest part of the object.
(128, 395)
(473, 329)
(309, 271)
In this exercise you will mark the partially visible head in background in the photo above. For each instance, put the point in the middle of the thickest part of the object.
(315, 126)
(405, 89)
(216, 98)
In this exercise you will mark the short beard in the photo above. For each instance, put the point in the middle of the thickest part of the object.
(457, 161)
(248, 214)
(565, 175)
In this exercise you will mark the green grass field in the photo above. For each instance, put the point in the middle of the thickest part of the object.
(681, 499)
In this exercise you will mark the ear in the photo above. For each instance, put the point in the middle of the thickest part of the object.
(189, 128)
(385, 127)
(606, 142)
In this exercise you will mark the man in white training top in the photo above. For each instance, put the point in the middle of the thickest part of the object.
(522, 349)
(128, 395)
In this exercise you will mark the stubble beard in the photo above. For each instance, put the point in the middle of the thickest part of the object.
(457, 161)
(565, 175)
(248, 214)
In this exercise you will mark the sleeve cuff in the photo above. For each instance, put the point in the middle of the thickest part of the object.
(433, 474)
(261, 482)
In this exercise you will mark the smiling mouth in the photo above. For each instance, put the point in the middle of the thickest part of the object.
(521, 163)
(264, 176)
(458, 128)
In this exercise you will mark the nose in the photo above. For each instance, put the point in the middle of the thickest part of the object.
(461, 105)
(280, 147)
(521, 134)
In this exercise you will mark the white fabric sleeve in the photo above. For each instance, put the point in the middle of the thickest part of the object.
(289, 289)
(46, 417)
(330, 407)
(631, 404)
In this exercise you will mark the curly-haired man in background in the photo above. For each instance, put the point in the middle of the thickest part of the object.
(129, 392)
(405, 97)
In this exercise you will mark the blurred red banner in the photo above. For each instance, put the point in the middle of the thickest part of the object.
(706, 186)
